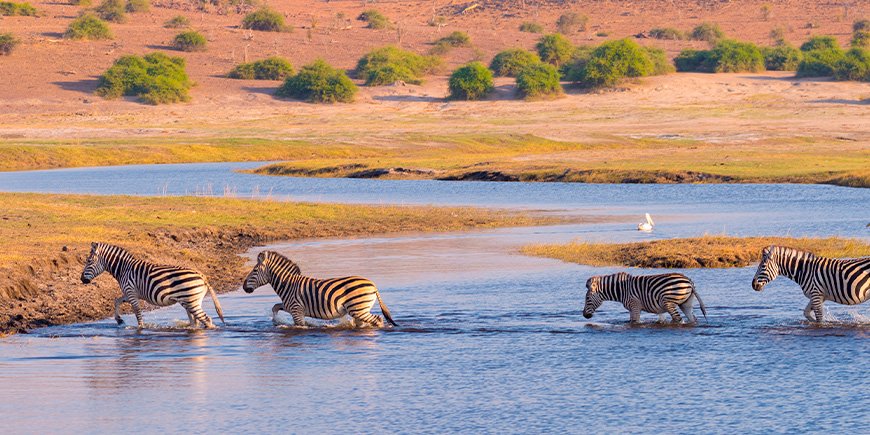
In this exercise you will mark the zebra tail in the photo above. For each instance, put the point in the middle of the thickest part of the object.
(385, 310)
(217, 304)
(701, 303)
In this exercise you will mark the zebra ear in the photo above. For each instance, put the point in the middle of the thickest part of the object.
(261, 256)
(93, 246)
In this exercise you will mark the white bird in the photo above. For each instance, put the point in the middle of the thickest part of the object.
(646, 226)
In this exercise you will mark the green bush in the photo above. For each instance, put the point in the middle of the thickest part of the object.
(710, 32)
(272, 68)
(471, 81)
(612, 61)
(319, 82)
(573, 69)
(177, 22)
(80, 2)
(861, 25)
(22, 9)
(666, 33)
(539, 80)
(781, 58)
(455, 39)
(571, 22)
(8, 42)
(189, 41)
(661, 63)
(386, 65)
(88, 26)
(855, 65)
(554, 49)
(266, 20)
(726, 56)
(531, 27)
(375, 19)
(155, 78)
(861, 39)
(820, 63)
(112, 10)
(820, 43)
(509, 63)
(693, 61)
(138, 5)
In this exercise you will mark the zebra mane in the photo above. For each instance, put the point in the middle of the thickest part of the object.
(105, 248)
(280, 260)
(785, 250)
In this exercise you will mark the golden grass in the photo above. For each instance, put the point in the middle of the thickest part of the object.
(46, 237)
(505, 156)
(706, 251)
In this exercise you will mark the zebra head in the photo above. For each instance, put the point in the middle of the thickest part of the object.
(768, 269)
(259, 276)
(94, 266)
(593, 296)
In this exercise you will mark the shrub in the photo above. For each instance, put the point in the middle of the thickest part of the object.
(454, 39)
(189, 41)
(319, 82)
(573, 69)
(112, 10)
(80, 2)
(855, 65)
(530, 27)
(726, 56)
(471, 81)
(860, 25)
(272, 68)
(7, 43)
(781, 58)
(612, 61)
(571, 22)
(266, 20)
(509, 63)
(861, 39)
(820, 43)
(22, 9)
(693, 61)
(375, 19)
(539, 80)
(735, 56)
(177, 22)
(155, 78)
(710, 32)
(138, 5)
(819, 63)
(554, 49)
(661, 63)
(666, 33)
(390, 64)
(88, 26)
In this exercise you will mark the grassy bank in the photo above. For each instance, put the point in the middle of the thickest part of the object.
(46, 238)
(706, 251)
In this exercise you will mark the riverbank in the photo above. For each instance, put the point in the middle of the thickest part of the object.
(47, 237)
(679, 128)
(696, 252)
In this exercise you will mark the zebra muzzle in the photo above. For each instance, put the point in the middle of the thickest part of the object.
(85, 280)
(587, 315)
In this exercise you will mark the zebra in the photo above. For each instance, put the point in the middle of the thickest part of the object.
(156, 284)
(303, 296)
(844, 281)
(651, 293)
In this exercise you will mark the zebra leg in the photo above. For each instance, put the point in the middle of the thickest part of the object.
(634, 311)
(672, 310)
(191, 321)
(364, 316)
(137, 310)
(118, 302)
(808, 311)
(818, 302)
(194, 309)
(686, 308)
(298, 315)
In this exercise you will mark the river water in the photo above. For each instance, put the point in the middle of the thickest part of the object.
(489, 340)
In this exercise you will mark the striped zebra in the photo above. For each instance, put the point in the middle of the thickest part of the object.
(651, 293)
(303, 296)
(844, 281)
(158, 285)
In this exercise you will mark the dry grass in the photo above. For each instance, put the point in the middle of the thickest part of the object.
(706, 251)
(45, 239)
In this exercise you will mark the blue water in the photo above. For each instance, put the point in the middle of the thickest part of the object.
(489, 340)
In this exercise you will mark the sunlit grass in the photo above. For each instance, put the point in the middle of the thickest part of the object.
(706, 251)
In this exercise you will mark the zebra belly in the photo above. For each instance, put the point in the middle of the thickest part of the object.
(328, 315)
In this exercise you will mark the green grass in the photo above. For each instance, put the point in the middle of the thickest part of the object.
(706, 251)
